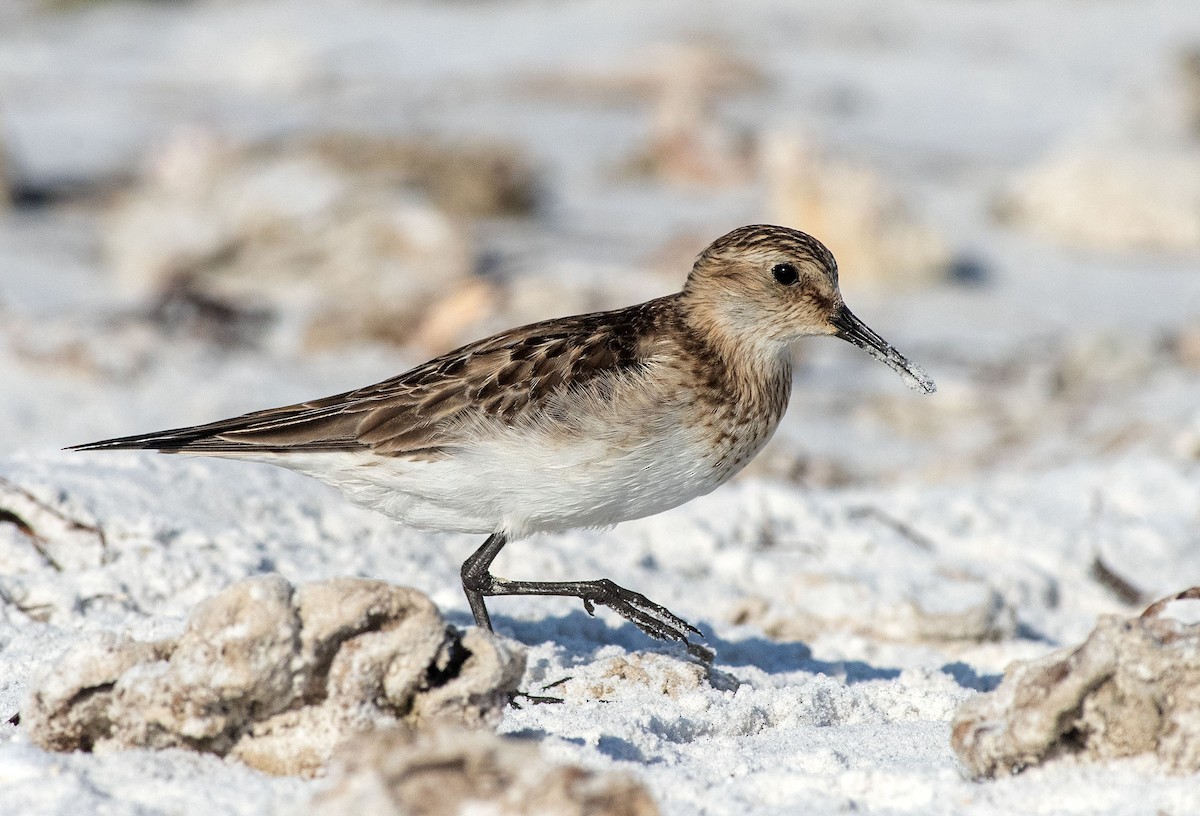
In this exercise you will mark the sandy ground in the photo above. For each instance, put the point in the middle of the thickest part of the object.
(888, 556)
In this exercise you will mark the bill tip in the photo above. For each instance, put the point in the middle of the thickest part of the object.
(918, 380)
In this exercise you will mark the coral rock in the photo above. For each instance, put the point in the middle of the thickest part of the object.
(275, 228)
(275, 676)
(449, 771)
(1133, 687)
(865, 222)
(1122, 197)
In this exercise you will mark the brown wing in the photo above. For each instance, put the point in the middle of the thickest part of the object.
(506, 377)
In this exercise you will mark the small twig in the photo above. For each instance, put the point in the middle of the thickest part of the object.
(535, 699)
(39, 541)
(556, 683)
(1155, 609)
(1102, 573)
(1123, 589)
(903, 528)
(36, 539)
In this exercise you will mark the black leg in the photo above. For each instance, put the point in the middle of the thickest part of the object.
(477, 578)
(478, 582)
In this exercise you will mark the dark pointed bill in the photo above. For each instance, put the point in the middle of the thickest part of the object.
(854, 330)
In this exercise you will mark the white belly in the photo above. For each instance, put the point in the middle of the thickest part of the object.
(590, 460)
(520, 483)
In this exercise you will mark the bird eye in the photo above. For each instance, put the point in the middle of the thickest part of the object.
(785, 273)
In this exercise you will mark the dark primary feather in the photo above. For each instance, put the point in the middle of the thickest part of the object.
(505, 377)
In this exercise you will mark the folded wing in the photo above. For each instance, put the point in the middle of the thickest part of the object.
(510, 377)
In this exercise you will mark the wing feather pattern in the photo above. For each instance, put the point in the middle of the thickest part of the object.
(510, 377)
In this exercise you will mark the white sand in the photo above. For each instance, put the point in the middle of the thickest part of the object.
(964, 540)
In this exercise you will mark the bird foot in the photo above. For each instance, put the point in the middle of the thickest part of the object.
(654, 619)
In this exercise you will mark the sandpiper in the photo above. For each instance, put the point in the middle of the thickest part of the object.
(579, 421)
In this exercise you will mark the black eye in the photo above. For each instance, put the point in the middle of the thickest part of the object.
(785, 273)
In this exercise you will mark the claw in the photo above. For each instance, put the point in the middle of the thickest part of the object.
(654, 619)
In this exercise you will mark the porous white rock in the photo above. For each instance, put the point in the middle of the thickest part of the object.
(871, 229)
(282, 226)
(1133, 687)
(448, 771)
(1118, 197)
(276, 676)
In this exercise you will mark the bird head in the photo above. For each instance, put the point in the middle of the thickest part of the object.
(765, 285)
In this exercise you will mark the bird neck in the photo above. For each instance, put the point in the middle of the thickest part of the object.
(750, 364)
(726, 330)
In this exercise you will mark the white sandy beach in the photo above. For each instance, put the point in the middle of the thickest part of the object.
(888, 556)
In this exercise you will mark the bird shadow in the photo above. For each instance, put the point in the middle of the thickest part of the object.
(582, 637)
(777, 657)
(616, 748)
(968, 678)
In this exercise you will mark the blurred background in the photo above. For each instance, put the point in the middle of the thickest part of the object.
(216, 206)
(213, 207)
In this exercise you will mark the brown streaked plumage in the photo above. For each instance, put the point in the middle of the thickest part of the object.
(577, 421)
